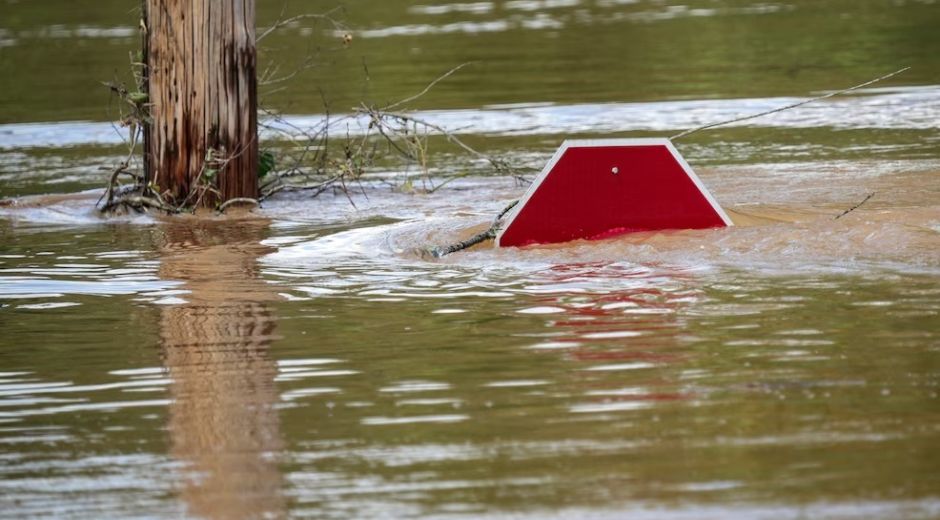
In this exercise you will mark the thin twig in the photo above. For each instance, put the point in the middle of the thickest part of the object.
(122, 167)
(447, 181)
(427, 88)
(270, 75)
(317, 188)
(855, 207)
(379, 117)
(285, 22)
(788, 107)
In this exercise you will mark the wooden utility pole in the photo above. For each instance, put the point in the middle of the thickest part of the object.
(201, 75)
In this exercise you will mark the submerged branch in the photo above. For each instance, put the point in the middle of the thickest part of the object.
(139, 203)
(239, 200)
(489, 234)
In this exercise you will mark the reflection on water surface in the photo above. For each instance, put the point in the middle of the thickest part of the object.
(307, 367)
(222, 419)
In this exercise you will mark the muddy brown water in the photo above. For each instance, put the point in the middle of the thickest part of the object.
(303, 361)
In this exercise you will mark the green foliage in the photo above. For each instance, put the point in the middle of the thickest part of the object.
(138, 98)
(266, 163)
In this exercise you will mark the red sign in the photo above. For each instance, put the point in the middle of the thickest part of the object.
(593, 189)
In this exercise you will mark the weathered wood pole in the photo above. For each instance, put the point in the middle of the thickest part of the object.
(201, 74)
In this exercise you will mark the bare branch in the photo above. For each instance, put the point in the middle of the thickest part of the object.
(788, 107)
(428, 88)
(283, 22)
(317, 188)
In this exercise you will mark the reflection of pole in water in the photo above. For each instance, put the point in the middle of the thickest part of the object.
(222, 421)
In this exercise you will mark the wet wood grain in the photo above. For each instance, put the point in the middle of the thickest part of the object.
(202, 83)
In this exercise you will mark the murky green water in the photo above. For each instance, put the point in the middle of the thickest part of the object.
(304, 363)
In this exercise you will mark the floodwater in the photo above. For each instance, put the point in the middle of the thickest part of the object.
(304, 361)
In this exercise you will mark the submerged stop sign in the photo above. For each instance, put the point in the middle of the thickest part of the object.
(594, 189)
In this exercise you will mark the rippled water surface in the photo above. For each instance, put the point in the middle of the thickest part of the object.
(306, 360)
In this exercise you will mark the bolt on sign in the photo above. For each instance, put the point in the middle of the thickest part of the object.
(594, 189)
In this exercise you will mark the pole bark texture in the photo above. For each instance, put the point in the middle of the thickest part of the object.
(201, 76)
